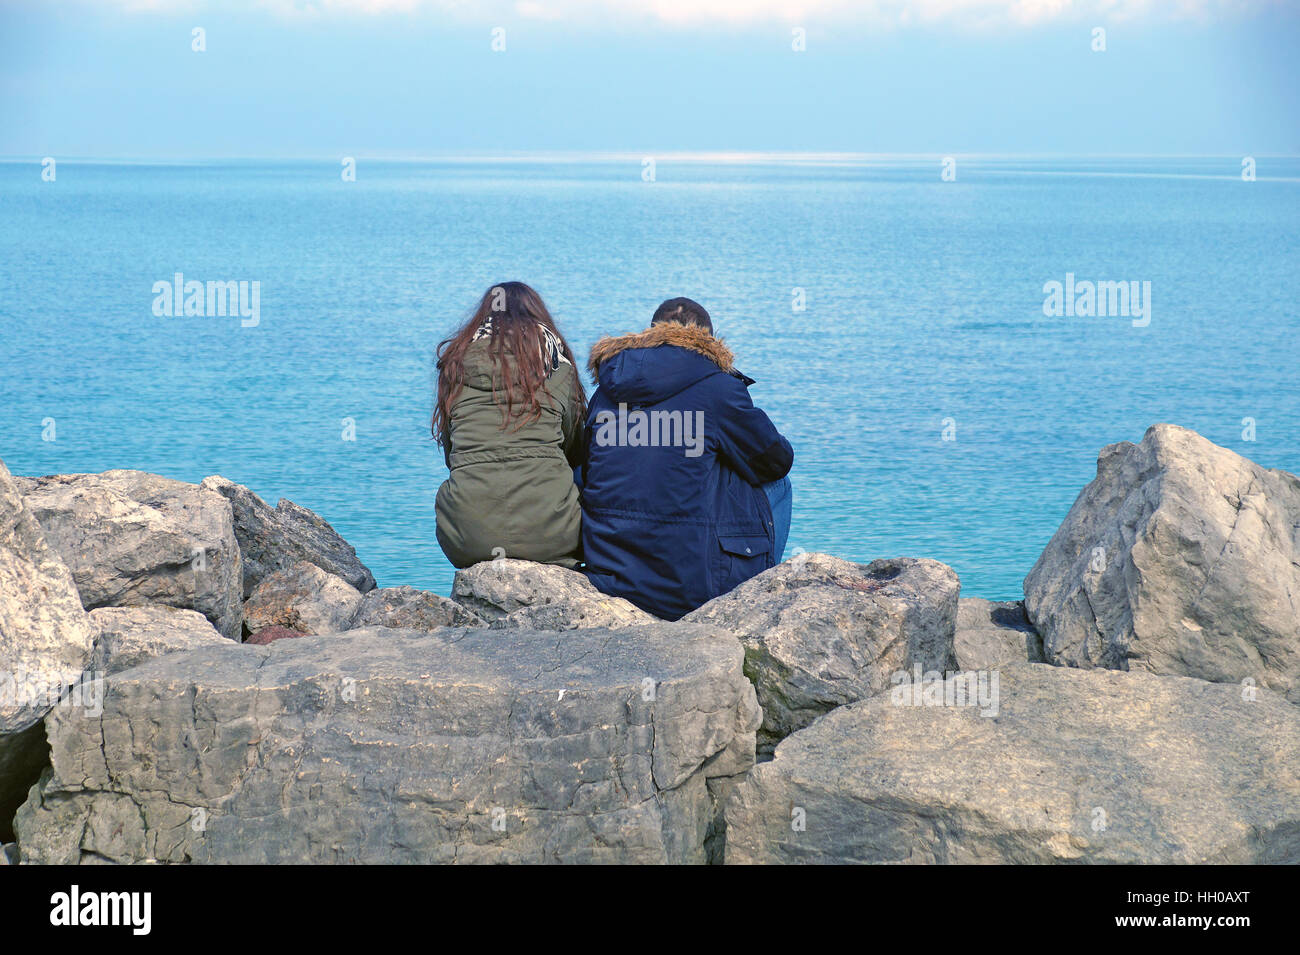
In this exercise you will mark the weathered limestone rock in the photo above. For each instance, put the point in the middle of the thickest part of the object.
(46, 640)
(132, 538)
(513, 594)
(270, 634)
(1078, 766)
(303, 598)
(820, 632)
(47, 637)
(1180, 557)
(128, 636)
(276, 538)
(405, 608)
(382, 746)
(994, 634)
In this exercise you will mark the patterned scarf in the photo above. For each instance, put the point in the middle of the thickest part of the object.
(552, 350)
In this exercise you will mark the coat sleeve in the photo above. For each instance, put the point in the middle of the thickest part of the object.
(571, 423)
(747, 439)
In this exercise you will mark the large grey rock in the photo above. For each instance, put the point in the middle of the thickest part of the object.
(46, 637)
(994, 634)
(1180, 557)
(512, 594)
(46, 640)
(132, 538)
(1077, 766)
(303, 598)
(276, 538)
(384, 746)
(820, 632)
(405, 608)
(128, 636)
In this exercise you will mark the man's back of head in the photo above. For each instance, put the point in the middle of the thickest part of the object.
(684, 311)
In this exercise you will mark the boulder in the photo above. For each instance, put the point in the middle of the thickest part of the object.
(391, 746)
(270, 634)
(128, 636)
(276, 538)
(132, 538)
(303, 598)
(993, 634)
(9, 854)
(820, 632)
(512, 594)
(405, 608)
(46, 640)
(1180, 557)
(1077, 765)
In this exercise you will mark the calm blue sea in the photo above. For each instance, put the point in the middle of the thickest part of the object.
(924, 308)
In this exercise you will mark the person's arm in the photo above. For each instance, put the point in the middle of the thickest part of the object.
(747, 439)
(571, 424)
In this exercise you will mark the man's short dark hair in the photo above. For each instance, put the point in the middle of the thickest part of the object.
(683, 310)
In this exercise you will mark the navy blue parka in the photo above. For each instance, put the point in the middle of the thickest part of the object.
(674, 512)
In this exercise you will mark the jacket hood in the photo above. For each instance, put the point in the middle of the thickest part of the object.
(635, 368)
(479, 366)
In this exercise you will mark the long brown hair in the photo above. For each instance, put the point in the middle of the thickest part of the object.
(520, 359)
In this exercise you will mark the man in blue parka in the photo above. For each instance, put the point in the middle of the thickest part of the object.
(684, 487)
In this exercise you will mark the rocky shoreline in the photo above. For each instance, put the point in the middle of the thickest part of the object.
(190, 675)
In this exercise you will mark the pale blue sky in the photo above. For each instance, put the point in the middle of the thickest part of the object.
(377, 78)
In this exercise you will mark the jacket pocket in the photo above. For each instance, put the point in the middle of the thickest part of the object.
(739, 558)
(745, 547)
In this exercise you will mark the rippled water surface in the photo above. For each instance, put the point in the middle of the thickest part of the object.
(924, 313)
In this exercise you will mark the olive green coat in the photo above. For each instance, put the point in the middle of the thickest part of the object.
(510, 492)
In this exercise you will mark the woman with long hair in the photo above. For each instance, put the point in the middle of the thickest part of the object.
(509, 415)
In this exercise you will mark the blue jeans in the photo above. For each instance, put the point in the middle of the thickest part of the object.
(780, 496)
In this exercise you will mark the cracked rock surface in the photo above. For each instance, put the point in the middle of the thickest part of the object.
(46, 640)
(1083, 766)
(400, 746)
(128, 636)
(512, 594)
(993, 634)
(303, 598)
(132, 538)
(820, 632)
(1180, 557)
(405, 608)
(276, 538)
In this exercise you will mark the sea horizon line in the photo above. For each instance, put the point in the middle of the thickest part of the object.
(706, 157)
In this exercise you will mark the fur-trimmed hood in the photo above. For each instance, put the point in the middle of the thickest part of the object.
(691, 337)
